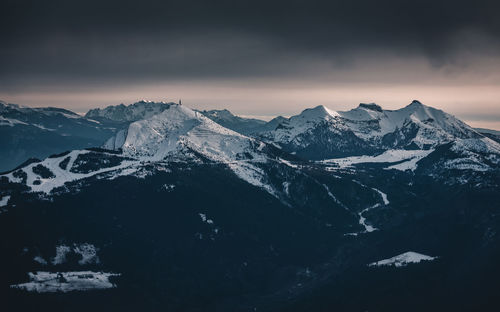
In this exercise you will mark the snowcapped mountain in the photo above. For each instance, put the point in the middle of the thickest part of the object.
(226, 119)
(320, 133)
(371, 128)
(178, 211)
(128, 113)
(425, 125)
(45, 118)
(145, 109)
(38, 132)
(178, 134)
(23, 111)
(179, 131)
(180, 128)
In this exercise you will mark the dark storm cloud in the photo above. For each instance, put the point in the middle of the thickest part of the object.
(59, 42)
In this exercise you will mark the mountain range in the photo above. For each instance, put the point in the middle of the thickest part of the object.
(186, 210)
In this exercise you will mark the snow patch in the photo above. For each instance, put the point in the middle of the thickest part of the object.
(40, 260)
(51, 282)
(88, 252)
(403, 259)
(252, 175)
(286, 162)
(61, 252)
(205, 219)
(10, 122)
(286, 188)
(409, 159)
(168, 187)
(4, 201)
(335, 199)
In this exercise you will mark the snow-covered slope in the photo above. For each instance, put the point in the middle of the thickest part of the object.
(492, 134)
(291, 130)
(54, 172)
(128, 113)
(178, 128)
(179, 131)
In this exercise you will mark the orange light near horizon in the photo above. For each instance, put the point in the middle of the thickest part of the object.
(281, 98)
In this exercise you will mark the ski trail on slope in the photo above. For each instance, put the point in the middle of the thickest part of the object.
(362, 220)
(334, 198)
(383, 195)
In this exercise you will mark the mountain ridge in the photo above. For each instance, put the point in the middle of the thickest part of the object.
(315, 134)
(181, 212)
(128, 113)
(27, 132)
(320, 133)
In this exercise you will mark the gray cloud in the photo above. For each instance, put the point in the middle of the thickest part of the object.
(95, 42)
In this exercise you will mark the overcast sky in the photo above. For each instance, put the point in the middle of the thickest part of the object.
(254, 57)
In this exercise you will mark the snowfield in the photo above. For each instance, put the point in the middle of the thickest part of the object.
(49, 282)
(403, 259)
(408, 159)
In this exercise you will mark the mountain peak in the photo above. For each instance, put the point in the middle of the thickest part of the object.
(132, 112)
(416, 103)
(371, 106)
(318, 112)
(5, 105)
(175, 127)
